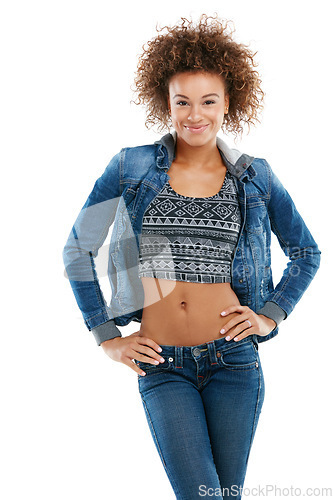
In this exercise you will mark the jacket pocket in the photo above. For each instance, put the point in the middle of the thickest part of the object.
(130, 197)
(255, 215)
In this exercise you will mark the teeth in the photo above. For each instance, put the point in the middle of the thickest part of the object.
(196, 128)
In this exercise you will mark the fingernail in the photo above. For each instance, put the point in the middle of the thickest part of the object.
(143, 374)
(236, 338)
(162, 360)
(222, 331)
(227, 338)
(223, 313)
(159, 349)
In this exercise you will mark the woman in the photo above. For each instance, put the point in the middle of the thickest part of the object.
(189, 258)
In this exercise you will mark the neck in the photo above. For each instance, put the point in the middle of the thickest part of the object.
(197, 156)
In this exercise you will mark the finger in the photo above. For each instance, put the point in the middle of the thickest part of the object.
(145, 354)
(239, 329)
(244, 334)
(135, 367)
(147, 341)
(234, 321)
(236, 308)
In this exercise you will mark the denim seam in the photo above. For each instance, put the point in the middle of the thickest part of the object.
(256, 266)
(234, 345)
(107, 224)
(255, 414)
(94, 316)
(159, 449)
(121, 163)
(98, 290)
(204, 379)
(151, 185)
(211, 352)
(246, 276)
(245, 368)
(179, 356)
(249, 367)
(279, 294)
(269, 180)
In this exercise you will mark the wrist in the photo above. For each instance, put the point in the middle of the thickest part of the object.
(268, 321)
(106, 343)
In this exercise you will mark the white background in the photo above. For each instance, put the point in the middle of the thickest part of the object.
(72, 421)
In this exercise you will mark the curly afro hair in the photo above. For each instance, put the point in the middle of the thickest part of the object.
(207, 46)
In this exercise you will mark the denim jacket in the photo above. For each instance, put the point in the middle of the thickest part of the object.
(120, 196)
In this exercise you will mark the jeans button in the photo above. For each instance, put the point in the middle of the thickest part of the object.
(196, 351)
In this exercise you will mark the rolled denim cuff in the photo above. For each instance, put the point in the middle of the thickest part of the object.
(273, 311)
(105, 331)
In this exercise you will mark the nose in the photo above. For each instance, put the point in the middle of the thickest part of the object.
(195, 113)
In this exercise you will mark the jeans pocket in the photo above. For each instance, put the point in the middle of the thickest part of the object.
(240, 356)
(150, 369)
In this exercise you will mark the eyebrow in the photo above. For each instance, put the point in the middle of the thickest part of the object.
(203, 97)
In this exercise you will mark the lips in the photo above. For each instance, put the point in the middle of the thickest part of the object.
(196, 129)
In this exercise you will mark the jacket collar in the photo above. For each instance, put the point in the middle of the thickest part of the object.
(238, 164)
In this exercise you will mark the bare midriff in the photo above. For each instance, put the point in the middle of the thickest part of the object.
(184, 313)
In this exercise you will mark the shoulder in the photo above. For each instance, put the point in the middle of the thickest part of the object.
(261, 167)
(137, 160)
(143, 153)
(261, 178)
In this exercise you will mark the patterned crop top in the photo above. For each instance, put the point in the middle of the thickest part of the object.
(190, 239)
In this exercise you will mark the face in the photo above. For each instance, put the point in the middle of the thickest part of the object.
(197, 103)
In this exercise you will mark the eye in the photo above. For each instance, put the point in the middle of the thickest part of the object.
(209, 102)
(181, 103)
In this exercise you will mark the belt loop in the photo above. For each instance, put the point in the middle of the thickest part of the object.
(178, 356)
(212, 352)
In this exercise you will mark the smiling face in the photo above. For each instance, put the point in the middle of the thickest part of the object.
(197, 103)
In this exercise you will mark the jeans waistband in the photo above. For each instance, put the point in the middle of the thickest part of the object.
(179, 352)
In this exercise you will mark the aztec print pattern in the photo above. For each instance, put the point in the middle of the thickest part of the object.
(190, 239)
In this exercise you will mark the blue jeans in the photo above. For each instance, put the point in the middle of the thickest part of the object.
(202, 406)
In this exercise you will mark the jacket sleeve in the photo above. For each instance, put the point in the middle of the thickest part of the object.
(85, 239)
(297, 243)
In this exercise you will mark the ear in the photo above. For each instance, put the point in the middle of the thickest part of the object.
(226, 104)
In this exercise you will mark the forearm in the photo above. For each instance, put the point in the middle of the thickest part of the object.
(106, 332)
(295, 280)
(297, 244)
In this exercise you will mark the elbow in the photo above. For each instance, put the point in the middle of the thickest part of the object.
(71, 248)
(312, 255)
(316, 257)
(65, 259)
(306, 262)
(318, 260)
(313, 260)
(66, 251)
